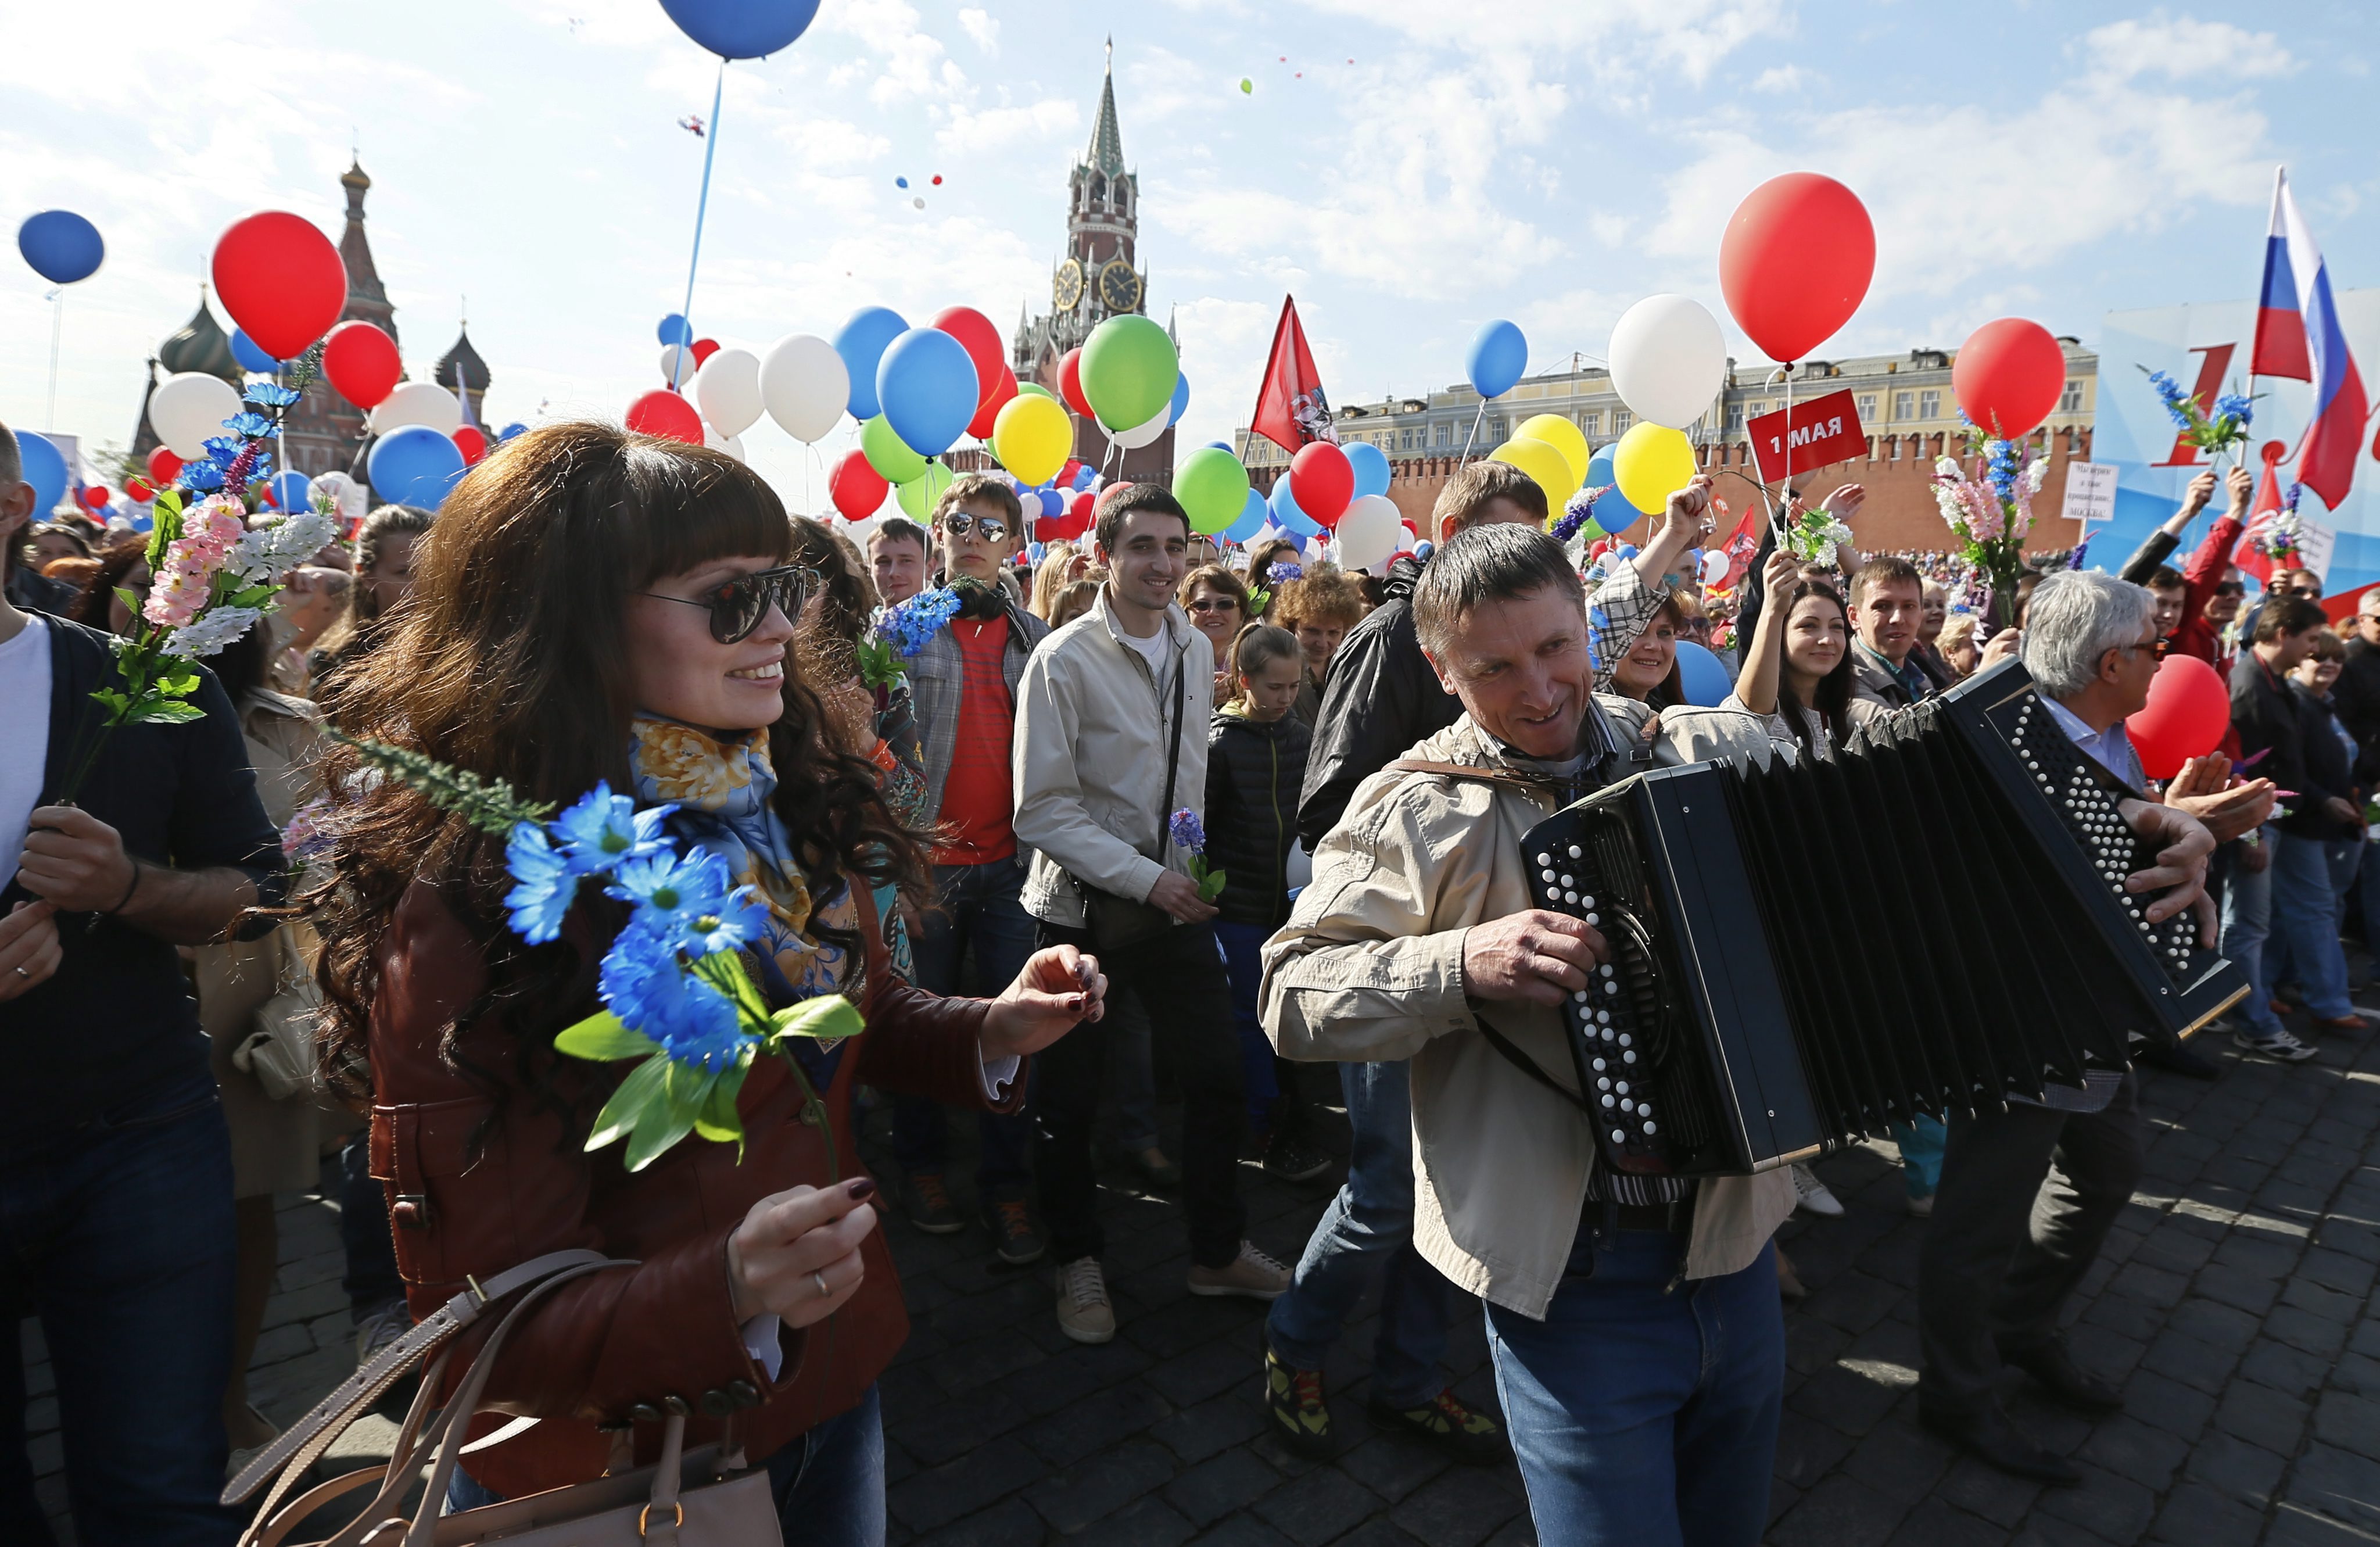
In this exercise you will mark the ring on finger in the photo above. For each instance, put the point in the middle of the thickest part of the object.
(819, 1279)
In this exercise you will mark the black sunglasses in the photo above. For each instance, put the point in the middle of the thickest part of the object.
(992, 528)
(738, 604)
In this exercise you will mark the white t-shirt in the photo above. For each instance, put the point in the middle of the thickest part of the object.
(1158, 650)
(25, 751)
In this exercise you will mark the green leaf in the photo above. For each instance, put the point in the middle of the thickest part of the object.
(724, 971)
(170, 711)
(178, 682)
(669, 1117)
(1211, 886)
(719, 1120)
(131, 597)
(113, 701)
(621, 1114)
(604, 1036)
(827, 1017)
(254, 596)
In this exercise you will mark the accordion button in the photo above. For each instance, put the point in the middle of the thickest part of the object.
(1598, 1066)
(1628, 1057)
(1601, 1084)
(1570, 897)
(1627, 1106)
(1593, 918)
(1590, 902)
(1570, 881)
(1607, 1101)
(1574, 852)
(1618, 1137)
(1621, 1087)
(1607, 970)
(1624, 1038)
(1648, 1129)
(1544, 858)
(1545, 876)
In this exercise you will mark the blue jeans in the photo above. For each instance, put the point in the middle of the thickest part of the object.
(1643, 1414)
(2309, 877)
(1369, 1221)
(119, 1236)
(1921, 1154)
(2247, 924)
(1244, 951)
(975, 903)
(829, 1482)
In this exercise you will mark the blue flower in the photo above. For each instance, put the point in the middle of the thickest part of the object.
(224, 450)
(271, 396)
(544, 885)
(2235, 405)
(907, 627)
(603, 829)
(1280, 571)
(249, 425)
(643, 985)
(1188, 835)
(688, 900)
(2177, 402)
(201, 478)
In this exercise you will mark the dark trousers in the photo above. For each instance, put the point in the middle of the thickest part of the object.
(1995, 1268)
(974, 905)
(371, 1280)
(119, 1236)
(1179, 978)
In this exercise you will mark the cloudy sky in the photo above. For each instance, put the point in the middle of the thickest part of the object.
(1407, 168)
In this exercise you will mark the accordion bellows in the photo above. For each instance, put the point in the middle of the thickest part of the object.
(1804, 954)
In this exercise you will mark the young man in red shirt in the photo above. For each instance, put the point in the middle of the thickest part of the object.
(964, 684)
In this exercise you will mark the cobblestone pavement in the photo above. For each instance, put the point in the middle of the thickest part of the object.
(2232, 1302)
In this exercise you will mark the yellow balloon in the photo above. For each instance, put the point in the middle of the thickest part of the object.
(1563, 436)
(1032, 437)
(918, 496)
(1651, 463)
(1541, 462)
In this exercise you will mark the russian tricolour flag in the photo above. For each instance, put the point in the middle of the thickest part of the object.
(2297, 336)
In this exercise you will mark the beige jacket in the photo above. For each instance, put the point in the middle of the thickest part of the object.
(1369, 967)
(1090, 753)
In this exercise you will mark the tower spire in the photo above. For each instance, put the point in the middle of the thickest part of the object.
(1105, 151)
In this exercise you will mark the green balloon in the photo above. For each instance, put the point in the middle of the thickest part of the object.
(1212, 487)
(893, 460)
(1129, 368)
(1037, 390)
(918, 495)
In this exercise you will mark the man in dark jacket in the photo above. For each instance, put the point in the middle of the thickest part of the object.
(2266, 717)
(2357, 696)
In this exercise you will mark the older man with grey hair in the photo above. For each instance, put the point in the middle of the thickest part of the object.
(1996, 1269)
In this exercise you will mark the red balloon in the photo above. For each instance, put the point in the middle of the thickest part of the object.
(2008, 375)
(1084, 504)
(163, 467)
(979, 339)
(1070, 382)
(1321, 481)
(703, 349)
(1795, 261)
(94, 497)
(472, 443)
(856, 488)
(281, 280)
(361, 362)
(663, 412)
(138, 491)
(2188, 711)
(997, 396)
(1072, 470)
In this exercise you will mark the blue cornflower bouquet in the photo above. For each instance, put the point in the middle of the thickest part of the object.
(2225, 427)
(1190, 837)
(901, 632)
(678, 998)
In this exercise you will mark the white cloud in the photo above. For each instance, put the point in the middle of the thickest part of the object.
(1614, 39)
(983, 26)
(999, 129)
(1782, 78)
(2183, 47)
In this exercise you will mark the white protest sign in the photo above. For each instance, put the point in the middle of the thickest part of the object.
(2090, 493)
(2314, 544)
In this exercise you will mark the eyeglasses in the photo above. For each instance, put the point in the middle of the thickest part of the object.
(738, 604)
(1213, 605)
(992, 528)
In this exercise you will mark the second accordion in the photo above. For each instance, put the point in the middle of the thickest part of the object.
(1932, 923)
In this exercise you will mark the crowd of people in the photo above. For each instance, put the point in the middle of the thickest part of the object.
(1124, 806)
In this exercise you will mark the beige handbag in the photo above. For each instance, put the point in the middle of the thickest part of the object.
(279, 1047)
(701, 1498)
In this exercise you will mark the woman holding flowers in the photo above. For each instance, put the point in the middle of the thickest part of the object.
(599, 611)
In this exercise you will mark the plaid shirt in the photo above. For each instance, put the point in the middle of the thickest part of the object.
(937, 677)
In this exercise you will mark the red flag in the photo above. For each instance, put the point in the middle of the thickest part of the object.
(1292, 410)
(2250, 560)
(1743, 544)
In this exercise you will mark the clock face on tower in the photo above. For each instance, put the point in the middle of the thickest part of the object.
(1119, 286)
(1069, 287)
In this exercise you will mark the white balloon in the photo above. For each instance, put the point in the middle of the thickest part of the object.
(805, 385)
(859, 532)
(1372, 528)
(1714, 568)
(678, 365)
(349, 498)
(188, 409)
(417, 403)
(1142, 435)
(732, 444)
(727, 389)
(1668, 359)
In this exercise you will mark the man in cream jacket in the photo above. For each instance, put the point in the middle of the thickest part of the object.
(1639, 1347)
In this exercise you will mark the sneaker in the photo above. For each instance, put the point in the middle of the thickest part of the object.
(2353, 1022)
(1251, 1273)
(1014, 1235)
(1446, 1422)
(1811, 1193)
(2280, 1045)
(1301, 1419)
(1084, 1313)
(1923, 1207)
(927, 1204)
(1154, 1168)
(1291, 1160)
(380, 1328)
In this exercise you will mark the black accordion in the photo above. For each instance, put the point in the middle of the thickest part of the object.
(1808, 952)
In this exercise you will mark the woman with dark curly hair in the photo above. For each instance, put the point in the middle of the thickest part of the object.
(597, 606)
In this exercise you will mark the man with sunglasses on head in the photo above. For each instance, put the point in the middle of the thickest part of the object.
(964, 687)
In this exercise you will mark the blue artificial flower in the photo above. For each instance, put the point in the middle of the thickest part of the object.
(1187, 834)
(643, 983)
(688, 900)
(1281, 570)
(2006, 466)
(249, 425)
(201, 478)
(224, 450)
(603, 829)
(2177, 402)
(271, 395)
(544, 885)
(907, 627)
(1575, 515)
(2236, 406)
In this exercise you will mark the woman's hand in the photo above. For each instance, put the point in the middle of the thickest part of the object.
(1780, 573)
(796, 1254)
(1845, 502)
(28, 948)
(1059, 988)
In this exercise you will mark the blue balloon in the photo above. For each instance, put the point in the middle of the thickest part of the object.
(141, 520)
(509, 431)
(61, 245)
(1423, 549)
(414, 466)
(1036, 552)
(1701, 678)
(1085, 477)
(1181, 401)
(1251, 518)
(900, 182)
(293, 490)
(1053, 504)
(926, 385)
(742, 29)
(1499, 355)
(1614, 515)
(1627, 550)
(250, 358)
(1285, 511)
(862, 342)
(44, 469)
(1371, 465)
(1598, 469)
(675, 329)
(1219, 446)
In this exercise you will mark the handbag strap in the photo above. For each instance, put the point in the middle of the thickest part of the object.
(1173, 759)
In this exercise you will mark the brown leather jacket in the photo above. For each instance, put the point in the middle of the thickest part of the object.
(622, 1344)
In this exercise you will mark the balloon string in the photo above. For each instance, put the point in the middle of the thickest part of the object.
(702, 207)
(1474, 431)
(57, 321)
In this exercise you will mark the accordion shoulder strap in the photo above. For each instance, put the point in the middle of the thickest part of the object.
(1527, 1065)
(1470, 771)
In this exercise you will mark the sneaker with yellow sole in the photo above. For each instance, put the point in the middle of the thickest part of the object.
(1301, 1419)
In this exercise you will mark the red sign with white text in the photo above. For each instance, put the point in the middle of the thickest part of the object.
(1824, 430)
